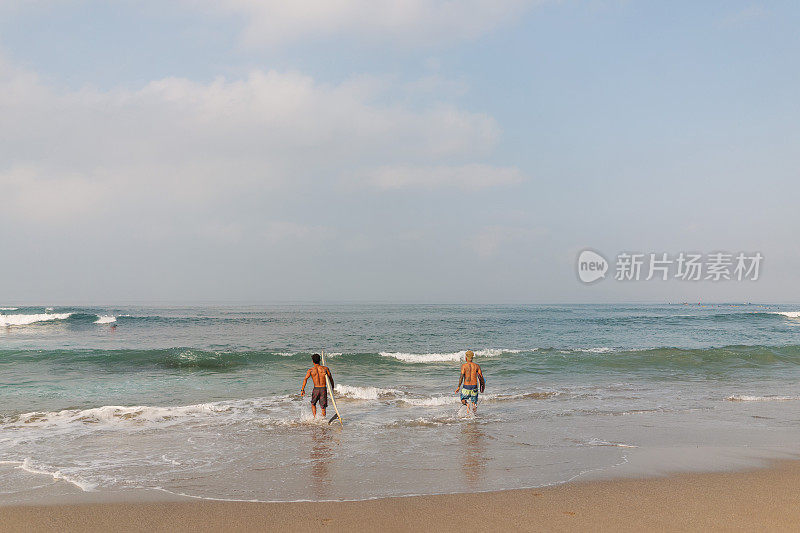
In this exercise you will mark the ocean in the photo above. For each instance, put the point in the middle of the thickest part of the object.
(204, 401)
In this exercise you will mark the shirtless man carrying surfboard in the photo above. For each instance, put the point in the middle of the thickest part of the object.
(320, 394)
(470, 375)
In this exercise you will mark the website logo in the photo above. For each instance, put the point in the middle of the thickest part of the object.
(684, 266)
(591, 266)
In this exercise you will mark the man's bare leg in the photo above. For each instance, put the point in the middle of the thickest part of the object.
(314, 411)
(323, 412)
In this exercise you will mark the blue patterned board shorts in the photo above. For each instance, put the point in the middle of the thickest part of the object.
(469, 393)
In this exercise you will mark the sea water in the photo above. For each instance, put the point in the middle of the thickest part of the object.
(204, 401)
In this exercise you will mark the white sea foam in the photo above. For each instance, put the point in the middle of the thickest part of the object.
(365, 393)
(788, 314)
(292, 354)
(105, 319)
(427, 421)
(443, 357)
(436, 401)
(600, 442)
(115, 414)
(24, 320)
(746, 398)
(425, 357)
(112, 415)
(28, 466)
(575, 351)
(377, 393)
(302, 417)
(8, 308)
(537, 395)
(432, 401)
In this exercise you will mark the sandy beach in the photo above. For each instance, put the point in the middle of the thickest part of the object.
(758, 500)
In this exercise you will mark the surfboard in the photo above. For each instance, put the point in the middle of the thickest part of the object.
(337, 416)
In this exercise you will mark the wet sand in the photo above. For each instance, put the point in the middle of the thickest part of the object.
(759, 500)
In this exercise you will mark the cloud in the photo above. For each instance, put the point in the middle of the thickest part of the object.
(412, 22)
(176, 145)
(471, 177)
(488, 241)
(31, 192)
(406, 22)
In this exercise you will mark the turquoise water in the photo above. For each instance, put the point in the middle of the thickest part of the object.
(203, 401)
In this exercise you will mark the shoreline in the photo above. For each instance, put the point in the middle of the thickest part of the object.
(753, 499)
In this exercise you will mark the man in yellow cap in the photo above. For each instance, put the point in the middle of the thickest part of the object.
(470, 375)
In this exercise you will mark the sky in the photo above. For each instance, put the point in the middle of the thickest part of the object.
(408, 151)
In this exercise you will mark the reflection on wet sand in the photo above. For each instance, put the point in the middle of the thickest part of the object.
(321, 456)
(473, 443)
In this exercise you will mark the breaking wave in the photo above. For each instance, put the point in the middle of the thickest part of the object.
(535, 360)
(788, 314)
(366, 393)
(443, 357)
(24, 320)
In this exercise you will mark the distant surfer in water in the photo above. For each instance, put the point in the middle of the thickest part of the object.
(320, 393)
(470, 375)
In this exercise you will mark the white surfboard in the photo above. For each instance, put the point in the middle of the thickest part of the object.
(337, 416)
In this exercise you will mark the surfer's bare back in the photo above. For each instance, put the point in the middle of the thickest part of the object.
(317, 374)
(470, 375)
